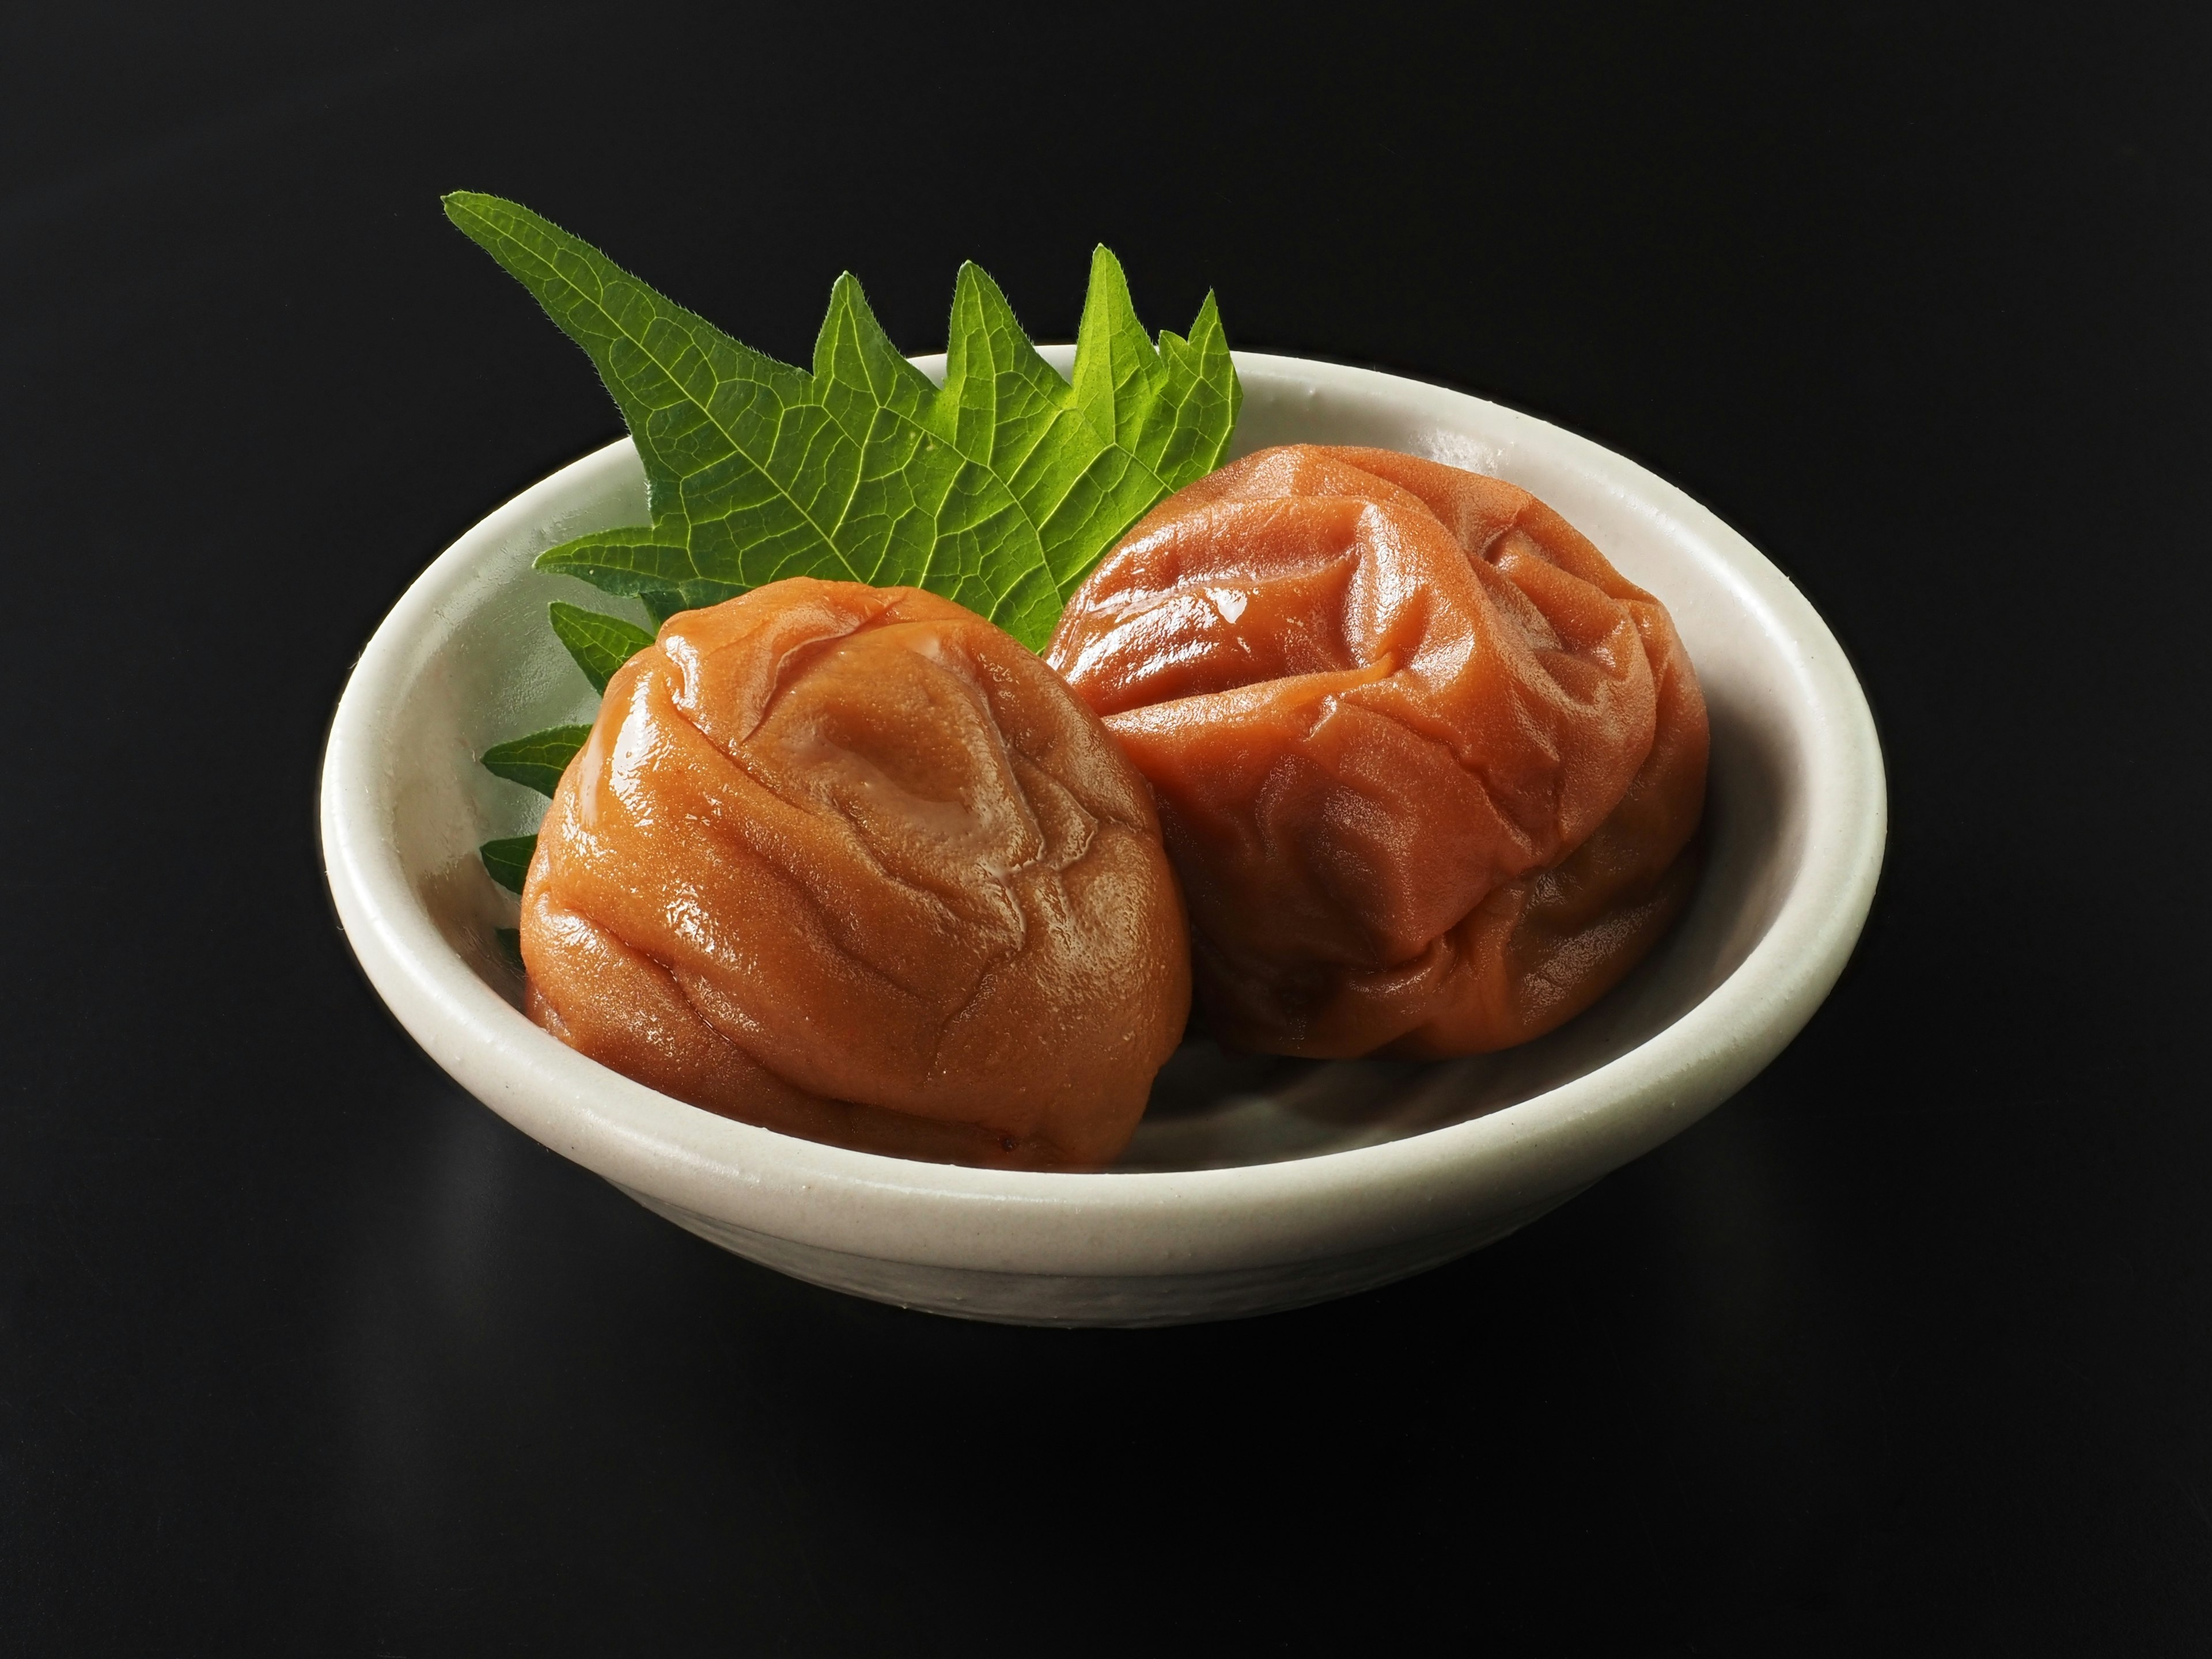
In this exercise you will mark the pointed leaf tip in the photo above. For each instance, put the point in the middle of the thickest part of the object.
(506, 860)
(982, 489)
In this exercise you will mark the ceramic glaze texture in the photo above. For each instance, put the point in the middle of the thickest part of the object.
(1252, 1183)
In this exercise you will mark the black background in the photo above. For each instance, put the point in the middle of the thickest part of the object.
(1909, 1345)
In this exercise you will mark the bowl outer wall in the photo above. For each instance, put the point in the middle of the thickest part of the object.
(1444, 1182)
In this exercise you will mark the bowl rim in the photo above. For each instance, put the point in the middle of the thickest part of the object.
(1109, 1223)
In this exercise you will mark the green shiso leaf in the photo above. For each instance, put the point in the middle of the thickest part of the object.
(508, 860)
(599, 643)
(539, 759)
(509, 940)
(999, 490)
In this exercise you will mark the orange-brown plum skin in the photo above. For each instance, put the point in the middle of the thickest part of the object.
(850, 863)
(1428, 767)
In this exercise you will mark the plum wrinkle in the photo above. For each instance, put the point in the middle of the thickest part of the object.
(1433, 786)
(851, 863)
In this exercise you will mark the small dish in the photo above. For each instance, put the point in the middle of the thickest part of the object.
(1254, 1184)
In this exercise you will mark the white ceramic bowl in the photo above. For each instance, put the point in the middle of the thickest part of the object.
(1253, 1185)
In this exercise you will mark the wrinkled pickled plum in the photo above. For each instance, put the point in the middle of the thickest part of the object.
(1428, 767)
(850, 863)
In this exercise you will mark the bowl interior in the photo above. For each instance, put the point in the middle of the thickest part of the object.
(494, 670)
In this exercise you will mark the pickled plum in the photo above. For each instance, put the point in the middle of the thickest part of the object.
(851, 863)
(1428, 767)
